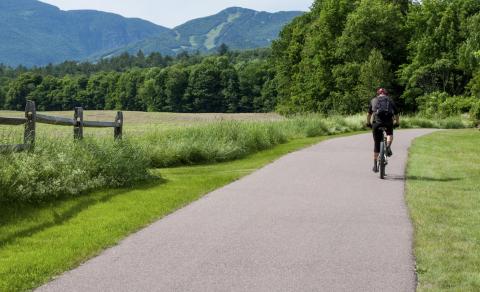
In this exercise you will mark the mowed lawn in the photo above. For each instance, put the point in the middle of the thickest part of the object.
(443, 194)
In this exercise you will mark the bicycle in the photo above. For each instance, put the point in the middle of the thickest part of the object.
(382, 156)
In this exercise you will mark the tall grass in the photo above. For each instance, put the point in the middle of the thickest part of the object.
(229, 140)
(455, 122)
(60, 167)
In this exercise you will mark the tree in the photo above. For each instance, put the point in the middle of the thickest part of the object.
(223, 50)
(20, 90)
(441, 48)
(126, 96)
(176, 84)
(374, 73)
(304, 56)
(152, 91)
(212, 86)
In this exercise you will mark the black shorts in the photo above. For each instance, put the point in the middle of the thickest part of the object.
(378, 134)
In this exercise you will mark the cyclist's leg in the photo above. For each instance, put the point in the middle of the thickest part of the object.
(389, 139)
(389, 129)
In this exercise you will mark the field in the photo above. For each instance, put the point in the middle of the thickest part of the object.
(57, 195)
(61, 167)
(443, 194)
(136, 123)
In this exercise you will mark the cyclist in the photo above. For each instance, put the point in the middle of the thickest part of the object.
(385, 114)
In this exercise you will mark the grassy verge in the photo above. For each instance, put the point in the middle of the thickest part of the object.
(443, 194)
(39, 242)
(60, 167)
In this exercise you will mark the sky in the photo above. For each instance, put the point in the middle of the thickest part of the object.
(171, 13)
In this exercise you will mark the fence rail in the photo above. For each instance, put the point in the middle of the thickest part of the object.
(32, 118)
(12, 121)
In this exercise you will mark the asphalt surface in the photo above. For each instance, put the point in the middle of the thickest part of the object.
(315, 220)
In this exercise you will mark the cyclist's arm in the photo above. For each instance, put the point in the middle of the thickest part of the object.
(396, 119)
(369, 114)
(396, 116)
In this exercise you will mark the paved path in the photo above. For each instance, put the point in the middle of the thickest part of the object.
(315, 220)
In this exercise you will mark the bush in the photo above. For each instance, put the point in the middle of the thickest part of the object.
(59, 169)
(475, 113)
(439, 104)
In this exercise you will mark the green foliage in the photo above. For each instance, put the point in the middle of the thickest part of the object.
(454, 122)
(329, 59)
(474, 85)
(223, 141)
(440, 50)
(334, 57)
(475, 112)
(213, 143)
(20, 90)
(59, 168)
(231, 83)
(442, 105)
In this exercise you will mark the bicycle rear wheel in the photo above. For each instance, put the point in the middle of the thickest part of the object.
(381, 160)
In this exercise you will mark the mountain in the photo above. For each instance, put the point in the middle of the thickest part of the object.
(239, 28)
(35, 33)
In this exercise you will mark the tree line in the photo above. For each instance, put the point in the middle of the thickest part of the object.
(334, 57)
(225, 82)
(329, 60)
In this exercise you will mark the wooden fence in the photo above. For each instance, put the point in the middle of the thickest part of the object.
(78, 123)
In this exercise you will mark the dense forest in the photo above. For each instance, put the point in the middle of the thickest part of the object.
(328, 60)
(224, 82)
(426, 53)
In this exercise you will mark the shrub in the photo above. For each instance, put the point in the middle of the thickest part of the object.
(439, 104)
(475, 113)
(59, 169)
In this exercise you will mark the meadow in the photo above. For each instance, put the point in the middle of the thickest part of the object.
(54, 198)
(61, 167)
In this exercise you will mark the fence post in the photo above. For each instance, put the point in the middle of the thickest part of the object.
(31, 116)
(117, 134)
(78, 127)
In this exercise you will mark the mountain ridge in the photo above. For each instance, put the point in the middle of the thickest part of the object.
(207, 33)
(35, 33)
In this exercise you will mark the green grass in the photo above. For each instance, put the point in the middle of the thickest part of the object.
(39, 242)
(443, 194)
(60, 167)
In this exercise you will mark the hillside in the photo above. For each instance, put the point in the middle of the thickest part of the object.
(35, 33)
(239, 28)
